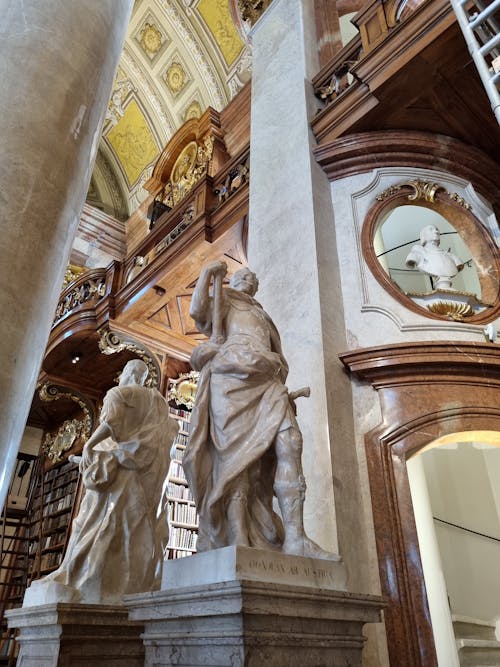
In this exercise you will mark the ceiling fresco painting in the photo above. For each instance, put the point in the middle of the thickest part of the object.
(218, 20)
(133, 142)
(180, 56)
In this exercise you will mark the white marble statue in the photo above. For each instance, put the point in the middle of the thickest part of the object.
(430, 258)
(245, 444)
(119, 535)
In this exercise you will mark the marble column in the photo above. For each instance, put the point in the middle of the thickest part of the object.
(57, 65)
(291, 241)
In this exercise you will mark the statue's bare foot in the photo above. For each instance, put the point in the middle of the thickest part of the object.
(313, 550)
(303, 546)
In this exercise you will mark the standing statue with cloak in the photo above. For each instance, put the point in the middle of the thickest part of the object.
(120, 532)
(245, 445)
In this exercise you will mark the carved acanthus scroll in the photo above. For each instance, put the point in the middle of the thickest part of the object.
(111, 342)
(54, 445)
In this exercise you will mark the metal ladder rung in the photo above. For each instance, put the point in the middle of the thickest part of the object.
(489, 46)
(485, 14)
(495, 78)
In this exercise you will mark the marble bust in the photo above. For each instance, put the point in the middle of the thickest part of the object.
(245, 444)
(428, 257)
(120, 532)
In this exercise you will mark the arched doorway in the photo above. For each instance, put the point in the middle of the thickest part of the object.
(426, 390)
(455, 489)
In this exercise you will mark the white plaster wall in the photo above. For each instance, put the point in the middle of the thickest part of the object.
(463, 486)
(435, 584)
(372, 316)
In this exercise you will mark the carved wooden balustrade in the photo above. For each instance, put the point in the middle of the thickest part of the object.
(83, 293)
(338, 74)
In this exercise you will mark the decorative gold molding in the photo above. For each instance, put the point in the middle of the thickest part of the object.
(94, 288)
(183, 389)
(460, 200)
(389, 192)
(73, 272)
(423, 190)
(54, 445)
(455, 311)
(252, 10)
(111, 342)
(190, 166)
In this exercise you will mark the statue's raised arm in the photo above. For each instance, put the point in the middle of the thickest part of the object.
(202, 305)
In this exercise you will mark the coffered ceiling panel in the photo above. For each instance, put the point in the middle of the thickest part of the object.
(180, 57)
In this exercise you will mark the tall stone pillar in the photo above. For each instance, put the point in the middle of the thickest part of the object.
(291, 242)
(57, 65)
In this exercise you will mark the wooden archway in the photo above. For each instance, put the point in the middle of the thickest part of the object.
(426, 390)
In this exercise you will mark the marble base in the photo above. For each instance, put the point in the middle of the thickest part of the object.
(251, 623)
(232, 563)
(66, 635)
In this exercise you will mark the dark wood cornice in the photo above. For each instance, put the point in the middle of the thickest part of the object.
(364, 151)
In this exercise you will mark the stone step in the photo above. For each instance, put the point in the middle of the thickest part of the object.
(473, 628)
(478, 653)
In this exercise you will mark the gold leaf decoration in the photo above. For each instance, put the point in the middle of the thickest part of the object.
(55, 445)
(151, 39)
(423, 190)
(455, 311)
(183, 390)
(111, 342)
(191, 165)
(193, 110)
(175, 77)
(459, 200)
(389, 192)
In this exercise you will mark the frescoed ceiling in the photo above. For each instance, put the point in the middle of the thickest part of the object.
(180, 57)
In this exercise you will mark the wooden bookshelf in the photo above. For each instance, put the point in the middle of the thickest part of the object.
(52, 512)
(182, 515)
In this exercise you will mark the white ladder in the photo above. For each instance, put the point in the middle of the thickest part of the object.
(470, 24)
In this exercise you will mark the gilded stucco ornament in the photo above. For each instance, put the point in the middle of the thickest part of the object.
(175, 77)
(93, 288)
(73, 272)
(252, 10)
(151, 39)
(193, 111)
(111, 342)
(189, 168)
(183, 389)
(455, 311)
(422, 190)
(55, 445)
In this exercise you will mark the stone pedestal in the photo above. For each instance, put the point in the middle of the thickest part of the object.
(254, 608)
(66, 635)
